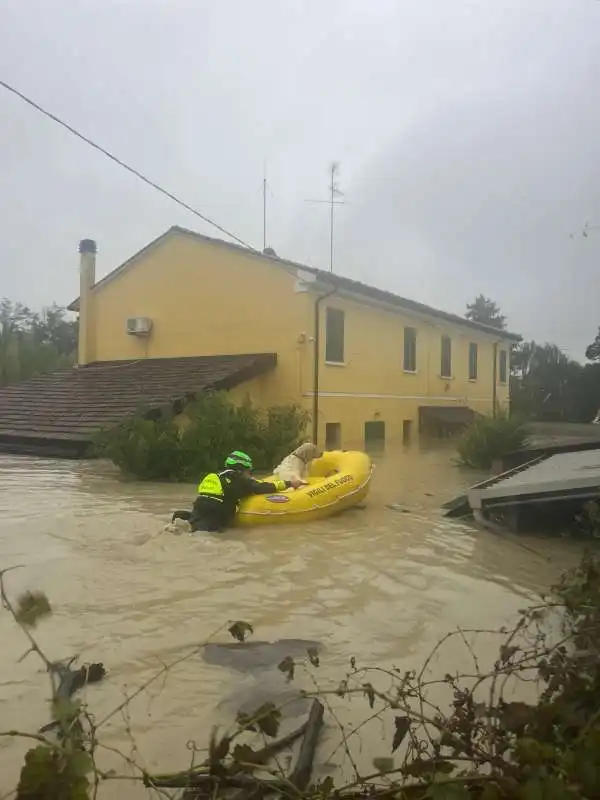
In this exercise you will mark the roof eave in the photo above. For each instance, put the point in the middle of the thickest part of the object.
(369, 292)
(394, 303)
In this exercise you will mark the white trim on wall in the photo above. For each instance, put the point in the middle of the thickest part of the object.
(367, 395)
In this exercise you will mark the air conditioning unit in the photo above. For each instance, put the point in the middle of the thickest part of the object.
(139, 326)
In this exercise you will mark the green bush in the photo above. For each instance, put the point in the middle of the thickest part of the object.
(161, 449)
(489, 438)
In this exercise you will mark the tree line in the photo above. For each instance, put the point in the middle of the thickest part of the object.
(545, 384)
(32, 343)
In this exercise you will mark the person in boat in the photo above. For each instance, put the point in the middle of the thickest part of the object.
(295, 466)
(220, 493)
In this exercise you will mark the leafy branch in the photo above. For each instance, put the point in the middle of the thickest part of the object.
(480, 742)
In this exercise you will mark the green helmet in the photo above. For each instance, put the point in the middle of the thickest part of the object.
(238, 459)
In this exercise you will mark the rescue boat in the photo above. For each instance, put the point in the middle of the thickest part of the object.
(338, 480)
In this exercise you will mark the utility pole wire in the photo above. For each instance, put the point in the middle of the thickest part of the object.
(118, 161)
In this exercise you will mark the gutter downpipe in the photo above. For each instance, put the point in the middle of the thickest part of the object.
(316, 365)
(495, 380)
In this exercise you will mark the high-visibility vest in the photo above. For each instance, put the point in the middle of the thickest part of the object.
(212, 486)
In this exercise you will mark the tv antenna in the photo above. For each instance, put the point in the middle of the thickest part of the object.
(334, 192)
(264, 190)
(585, 232)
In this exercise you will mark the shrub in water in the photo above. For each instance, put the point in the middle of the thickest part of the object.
(489, 438)
(213, 426)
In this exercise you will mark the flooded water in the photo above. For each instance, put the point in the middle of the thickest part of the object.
(376, 583)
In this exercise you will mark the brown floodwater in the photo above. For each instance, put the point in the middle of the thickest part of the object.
(377, 583)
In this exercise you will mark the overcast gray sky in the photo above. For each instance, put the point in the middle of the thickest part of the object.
(468, 133)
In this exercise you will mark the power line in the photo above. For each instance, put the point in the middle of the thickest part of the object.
(118, 161)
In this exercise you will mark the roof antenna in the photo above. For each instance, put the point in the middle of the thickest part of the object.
(267, 250)
(334, 191)
(264, 206)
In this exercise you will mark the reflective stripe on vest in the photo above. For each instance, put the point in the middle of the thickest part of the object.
(212, 487)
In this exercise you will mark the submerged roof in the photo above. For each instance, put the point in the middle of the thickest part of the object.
(329, 278)
(557, 477)
(72, 404)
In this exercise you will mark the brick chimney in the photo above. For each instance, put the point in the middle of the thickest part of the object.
(87, 279)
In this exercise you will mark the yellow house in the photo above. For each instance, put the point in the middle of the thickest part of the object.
(369, 365)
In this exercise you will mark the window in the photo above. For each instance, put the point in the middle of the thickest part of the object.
(333, 436)
(410, 349)
(446, 364)
(374, 435)
(334, 336)
(473, 361)
(503, 366)
(406, 431)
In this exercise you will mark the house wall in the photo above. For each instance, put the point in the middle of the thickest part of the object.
(372, 385)
(206, 299)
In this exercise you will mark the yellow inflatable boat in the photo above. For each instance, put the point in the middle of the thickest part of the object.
(338, 480)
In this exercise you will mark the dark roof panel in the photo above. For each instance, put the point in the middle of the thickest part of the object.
(73, 404)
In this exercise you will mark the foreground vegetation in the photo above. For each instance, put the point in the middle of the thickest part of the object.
(172, 448)
(490, 438)
(32, 343)
(482, 743)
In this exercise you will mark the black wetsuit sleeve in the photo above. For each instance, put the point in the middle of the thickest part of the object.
(246, 486)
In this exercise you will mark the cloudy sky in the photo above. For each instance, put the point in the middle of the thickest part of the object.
(468, 133)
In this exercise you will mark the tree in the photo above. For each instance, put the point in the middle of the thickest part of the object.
(547, 385)
(592, 352)
(31, 343)
(484, 310)
(589, 392)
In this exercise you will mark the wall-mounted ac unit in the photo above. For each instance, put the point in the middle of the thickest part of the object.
(139, 326)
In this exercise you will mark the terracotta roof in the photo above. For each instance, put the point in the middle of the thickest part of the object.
(327, 278)
(73, 404)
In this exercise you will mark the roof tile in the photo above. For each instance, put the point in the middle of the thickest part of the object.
(73, 404)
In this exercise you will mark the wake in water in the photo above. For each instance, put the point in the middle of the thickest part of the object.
(177, 527)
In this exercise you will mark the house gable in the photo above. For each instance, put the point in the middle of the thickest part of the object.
(201, 300)
(164, 239)
(356, 290)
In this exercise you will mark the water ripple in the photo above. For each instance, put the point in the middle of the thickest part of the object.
(377, 584)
